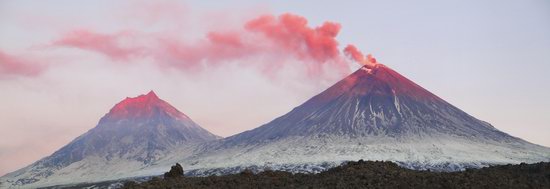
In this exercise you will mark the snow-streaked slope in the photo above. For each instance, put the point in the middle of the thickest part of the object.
(373, 114)
(133, 135)
(443, 154)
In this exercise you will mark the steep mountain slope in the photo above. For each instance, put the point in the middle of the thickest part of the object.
(375, 102)
(135, 133)
(373, 114)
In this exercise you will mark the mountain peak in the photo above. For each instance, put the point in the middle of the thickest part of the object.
(375, 100)
(136, 133)
(143, 106)
(381, 79)
(152, 94)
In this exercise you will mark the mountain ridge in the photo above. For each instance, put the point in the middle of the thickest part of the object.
(373, 114)
(377, 84)
(143, 106)
(136, 132)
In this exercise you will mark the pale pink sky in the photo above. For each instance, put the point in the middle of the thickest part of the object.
(233, 66)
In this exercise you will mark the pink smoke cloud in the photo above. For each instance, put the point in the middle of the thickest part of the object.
(292, 32)
(272, 39)
(11, 65)
(351, 51)
(217, 47)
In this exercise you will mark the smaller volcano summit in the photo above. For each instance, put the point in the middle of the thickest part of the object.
(134, 134)
(138, 128)
(143, 107)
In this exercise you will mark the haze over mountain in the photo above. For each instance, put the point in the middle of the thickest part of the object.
(135, 133)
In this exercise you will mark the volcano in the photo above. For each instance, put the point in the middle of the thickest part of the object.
(134, 134)
(373, 114)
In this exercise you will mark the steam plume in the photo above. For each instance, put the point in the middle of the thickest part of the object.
(351, 51)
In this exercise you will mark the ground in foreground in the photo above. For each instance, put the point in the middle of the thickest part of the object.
(369, 174)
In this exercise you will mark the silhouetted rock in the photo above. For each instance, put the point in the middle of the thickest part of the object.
(175, 171)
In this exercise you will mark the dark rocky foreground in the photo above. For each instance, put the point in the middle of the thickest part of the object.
(368, 174)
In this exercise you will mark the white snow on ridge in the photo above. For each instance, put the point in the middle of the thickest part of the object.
(321, 150)
(373, 114)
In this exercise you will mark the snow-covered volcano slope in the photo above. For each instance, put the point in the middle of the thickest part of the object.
(373, 114)
(133, 135)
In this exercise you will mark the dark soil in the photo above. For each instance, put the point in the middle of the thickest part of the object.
(369, 174)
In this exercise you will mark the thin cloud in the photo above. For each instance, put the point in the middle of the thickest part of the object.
(12, 65)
